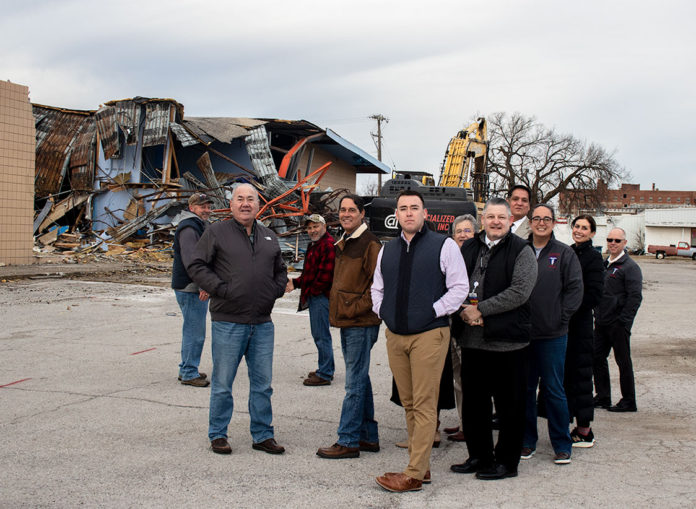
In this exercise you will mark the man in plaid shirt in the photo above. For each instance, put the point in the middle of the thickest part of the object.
(315, 286)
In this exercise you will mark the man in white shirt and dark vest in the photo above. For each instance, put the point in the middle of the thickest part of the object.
(420, 279)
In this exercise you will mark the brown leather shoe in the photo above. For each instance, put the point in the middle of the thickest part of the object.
(399, 483)
(270, 446)
(221, 446)
(426, 478)
(338, 451)
(457, 437)
(200, 373)
(315, 380)
(369, 446)
(314, 373)
(196, 382)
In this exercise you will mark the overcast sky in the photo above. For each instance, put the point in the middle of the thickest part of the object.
(618, 73)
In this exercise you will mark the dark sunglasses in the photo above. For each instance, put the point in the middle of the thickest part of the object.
(618, 241)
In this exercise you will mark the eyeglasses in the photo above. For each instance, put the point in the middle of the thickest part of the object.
(618, 241)
(537, 219)
(465, 230)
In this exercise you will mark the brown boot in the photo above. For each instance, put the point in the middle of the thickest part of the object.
(397, 482)
(338, 451)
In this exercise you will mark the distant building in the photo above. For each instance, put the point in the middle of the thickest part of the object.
(628, 196)
(667, 227)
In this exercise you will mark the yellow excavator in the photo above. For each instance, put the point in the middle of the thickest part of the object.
(463, 187)
(465, 161)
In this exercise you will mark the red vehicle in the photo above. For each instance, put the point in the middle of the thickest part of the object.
(681, 249)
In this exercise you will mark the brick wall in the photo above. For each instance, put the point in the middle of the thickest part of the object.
(17, 152)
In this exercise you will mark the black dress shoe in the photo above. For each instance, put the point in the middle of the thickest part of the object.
(622, 406)
(270, 446)
(601, 402)
(470, 466)
(366, 446)
(497, 472)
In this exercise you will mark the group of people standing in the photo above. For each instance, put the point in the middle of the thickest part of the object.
(511, 305)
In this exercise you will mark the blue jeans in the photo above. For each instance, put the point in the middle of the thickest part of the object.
(358, 411)
(319, 325)
(194, 312)
(230, 342)
(547, 362)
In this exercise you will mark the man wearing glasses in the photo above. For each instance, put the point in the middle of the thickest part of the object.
(623, 286)
(556, 296)
(493, 329)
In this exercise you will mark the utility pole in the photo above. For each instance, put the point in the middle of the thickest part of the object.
(379, 118)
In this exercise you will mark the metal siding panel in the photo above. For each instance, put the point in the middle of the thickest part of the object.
(156, 124)
(82, 158)
(128, 117)
(108, 130)
(56, 132)
(184, 137)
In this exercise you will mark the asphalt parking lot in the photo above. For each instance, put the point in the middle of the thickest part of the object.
(91, 414)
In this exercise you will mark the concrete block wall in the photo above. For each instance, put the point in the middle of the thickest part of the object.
(17, 156)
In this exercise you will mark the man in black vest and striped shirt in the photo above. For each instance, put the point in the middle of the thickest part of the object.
(420, 279)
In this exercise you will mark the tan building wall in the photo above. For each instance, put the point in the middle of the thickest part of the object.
(17, 152)
(340, 174)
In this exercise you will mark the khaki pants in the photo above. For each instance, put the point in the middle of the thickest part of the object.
(416, 361)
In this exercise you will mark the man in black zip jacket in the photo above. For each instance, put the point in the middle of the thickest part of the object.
(556, 296)
(192, 301)
(238, 262)
(623, 293)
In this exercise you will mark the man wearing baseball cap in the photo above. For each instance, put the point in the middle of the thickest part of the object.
(192, 300)
(315, 285)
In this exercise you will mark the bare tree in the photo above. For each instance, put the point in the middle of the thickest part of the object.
(524, 151)
(369, 188)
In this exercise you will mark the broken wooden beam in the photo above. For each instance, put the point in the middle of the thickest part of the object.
(61, 208)
(206, 167)
(130, 228)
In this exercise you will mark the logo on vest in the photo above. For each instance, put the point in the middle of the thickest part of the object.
(391, 222)
(552, 261)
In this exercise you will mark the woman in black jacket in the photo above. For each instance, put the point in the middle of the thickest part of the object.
(578, 366)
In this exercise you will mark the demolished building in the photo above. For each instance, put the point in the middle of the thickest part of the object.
(129, 167)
